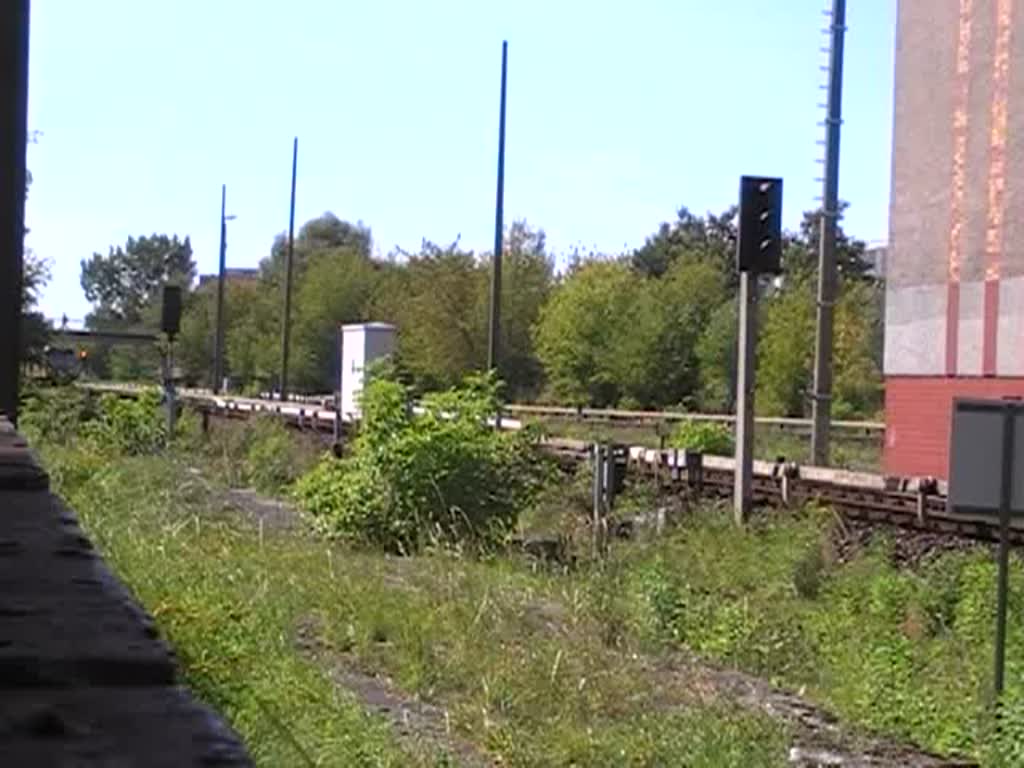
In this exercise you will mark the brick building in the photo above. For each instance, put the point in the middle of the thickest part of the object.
(955, 260)
(232, 275)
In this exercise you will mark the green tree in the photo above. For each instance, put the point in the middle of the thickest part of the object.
(583, 332)
(686, 299)
(527, 278)
(335, 288)
(127, 281)
(437, 300)
(715, 352)
(194, 348)
(324, 233)
(800, 256)
(252, 333)
(786, 350)
(710, 237)
(858, 381)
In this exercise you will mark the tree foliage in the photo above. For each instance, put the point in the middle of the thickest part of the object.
(650, 329)
(583, 329)
(128, 280)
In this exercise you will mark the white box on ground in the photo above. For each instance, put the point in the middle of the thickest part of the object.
(361, 345)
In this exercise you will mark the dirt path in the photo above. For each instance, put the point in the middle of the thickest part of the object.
(417, 724)
(818, 737)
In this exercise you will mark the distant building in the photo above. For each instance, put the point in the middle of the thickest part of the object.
(232, 275)
(954, 324)
(875, 258)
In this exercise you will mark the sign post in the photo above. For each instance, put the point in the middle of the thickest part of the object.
(985, 480)
(170, 324)
(758, 251)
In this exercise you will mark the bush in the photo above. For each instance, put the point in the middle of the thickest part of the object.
(704, 436)
(55, 415)
(272, 460)
(128, 426)
(443, 476)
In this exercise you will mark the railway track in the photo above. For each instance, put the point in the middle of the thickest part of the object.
(869, 429)
(912, 503)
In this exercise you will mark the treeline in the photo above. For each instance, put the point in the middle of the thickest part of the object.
(649, 329)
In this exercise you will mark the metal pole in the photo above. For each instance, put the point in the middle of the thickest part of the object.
(822, 399)
(170, 394)
(218, 341)
(743, 493)
(494, 345)
(287, 324)
(1003, 585)
(13, 140)
(598, 491)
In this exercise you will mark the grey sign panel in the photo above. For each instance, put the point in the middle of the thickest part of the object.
(1017, 488)
(977, 457)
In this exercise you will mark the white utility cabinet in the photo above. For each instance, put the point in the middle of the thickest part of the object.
(361, 345)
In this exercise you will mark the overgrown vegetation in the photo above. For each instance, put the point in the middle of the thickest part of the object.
(904, 651)
(537, 666)
(704, 436)
(443, 475)
(260, 619)
(259, 452)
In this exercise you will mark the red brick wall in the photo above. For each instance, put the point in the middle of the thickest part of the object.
(917, 419)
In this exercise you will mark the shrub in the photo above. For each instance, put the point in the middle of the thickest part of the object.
(443, 475)
(55, 415)
(704, 436)
(128, 426)
(272, 460)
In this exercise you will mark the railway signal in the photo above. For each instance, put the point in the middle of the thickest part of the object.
(758, 251)
(170, 311)
(759, 246)
(170, 323)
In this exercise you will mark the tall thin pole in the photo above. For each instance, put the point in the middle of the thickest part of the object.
(286, 326)
(13, 140)
(743, 494)
(494, 345)
(218, 340)
(822, 402)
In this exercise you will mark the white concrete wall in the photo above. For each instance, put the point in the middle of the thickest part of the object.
(915, 330)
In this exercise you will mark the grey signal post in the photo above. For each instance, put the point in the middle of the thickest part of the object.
(986, 479)
(218, 338)
(743, 492)
(758, 251)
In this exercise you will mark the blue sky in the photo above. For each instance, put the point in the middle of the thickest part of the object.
(618, 114)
